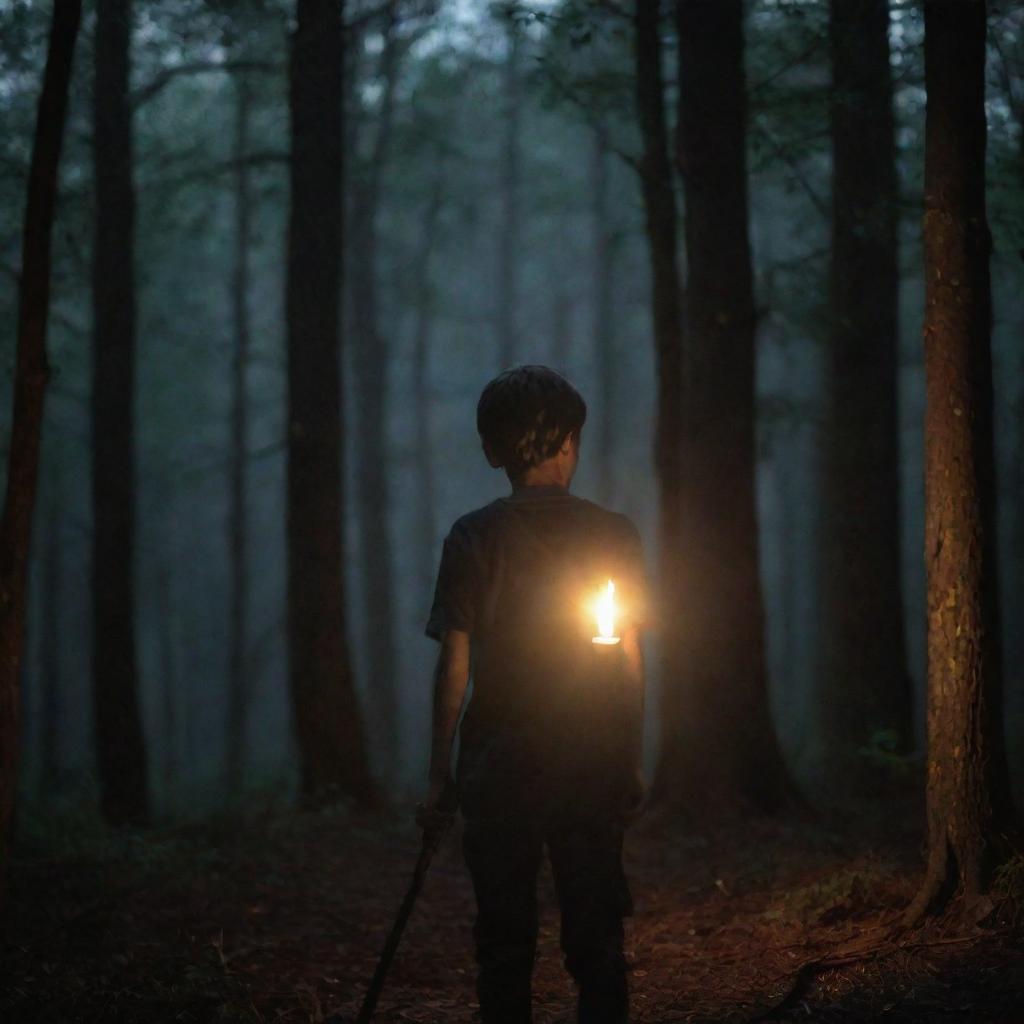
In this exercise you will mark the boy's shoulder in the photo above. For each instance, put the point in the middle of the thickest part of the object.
(478, 519)
(481, 521)
(605, 518)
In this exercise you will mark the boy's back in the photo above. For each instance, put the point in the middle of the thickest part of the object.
(520, 576)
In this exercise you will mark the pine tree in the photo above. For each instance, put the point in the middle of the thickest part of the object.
(326, 716)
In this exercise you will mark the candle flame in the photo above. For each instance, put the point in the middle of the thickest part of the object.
(606, 616)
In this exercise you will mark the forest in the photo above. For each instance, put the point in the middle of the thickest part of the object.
(258, 258)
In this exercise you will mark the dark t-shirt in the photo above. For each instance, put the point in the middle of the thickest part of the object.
(521, 576)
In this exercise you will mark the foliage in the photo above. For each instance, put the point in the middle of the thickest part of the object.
(1009, 879)
(848, 892)
(883, 754)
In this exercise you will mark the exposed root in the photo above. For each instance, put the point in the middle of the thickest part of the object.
(863, 952)
(937, 887)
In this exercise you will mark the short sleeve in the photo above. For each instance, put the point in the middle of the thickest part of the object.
(455, 594)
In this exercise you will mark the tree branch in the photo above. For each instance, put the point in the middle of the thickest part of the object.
(160, 82)
(779, 150)
(420, 8)
(259, 158)
(593, 120)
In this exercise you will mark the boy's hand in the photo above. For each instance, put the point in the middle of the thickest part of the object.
(438, 805)
(637, 796)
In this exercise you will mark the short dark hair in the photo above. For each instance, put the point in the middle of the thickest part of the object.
(525, 414)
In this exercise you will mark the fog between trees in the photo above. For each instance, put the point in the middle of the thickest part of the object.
(494, 166)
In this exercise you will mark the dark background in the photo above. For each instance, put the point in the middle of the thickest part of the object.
(493, 157)
(442, 186)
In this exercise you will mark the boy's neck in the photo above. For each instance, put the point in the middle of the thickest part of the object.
(556, 471)
(550, 477)
(519, 487)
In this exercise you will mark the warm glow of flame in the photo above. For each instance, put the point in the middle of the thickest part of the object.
(606, 610)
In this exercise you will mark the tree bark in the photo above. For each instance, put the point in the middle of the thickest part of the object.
(1014, 630)
(426, 514)
(370, 366)
(49, 657)
(791, 552)
(30, 378)
(602, 235)
(326, 715)
(962, 825)
(660, 220)
(120, 745)
(237, 531)
(720, 751)
(865, 687)
(508, 230)
(170, 690)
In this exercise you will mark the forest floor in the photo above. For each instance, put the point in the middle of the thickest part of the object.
(280, 919)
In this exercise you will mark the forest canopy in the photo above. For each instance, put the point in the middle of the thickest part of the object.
(495, 185)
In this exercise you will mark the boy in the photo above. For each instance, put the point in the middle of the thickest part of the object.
(550, 741)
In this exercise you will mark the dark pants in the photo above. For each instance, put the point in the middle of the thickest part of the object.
(504, 855)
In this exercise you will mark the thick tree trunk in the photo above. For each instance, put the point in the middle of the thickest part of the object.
(865, 687)
(792, 556)
(720, 748)
(602, 235)
(1014, 628)
(370, 366)
(958, 459)
(660, 219)
(30, 376)
(49, 657)
(120, 746)
(326, 716)
(237, 532)
(426, 512)
(508, 231)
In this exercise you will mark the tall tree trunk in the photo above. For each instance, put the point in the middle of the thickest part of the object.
(120, 746)
(508, 229)
(602, 242)
(30, 377)
(426, 512)
(660, 219)
(370, 366)
(792, 554)
(238, 688)
(561, 329)
(170, 690)
(326, 715)
(865, 688)
(1014, 630)
(49, 656)
(720, 749)
(959, 551)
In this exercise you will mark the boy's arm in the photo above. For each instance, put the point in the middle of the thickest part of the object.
(451, 676)
(636, 684)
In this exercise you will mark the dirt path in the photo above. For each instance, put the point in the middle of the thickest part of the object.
(282, 922)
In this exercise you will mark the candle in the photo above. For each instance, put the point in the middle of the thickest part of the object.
(606, 617)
